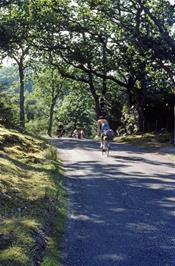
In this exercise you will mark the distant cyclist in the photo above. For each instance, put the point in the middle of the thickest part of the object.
(60, 131)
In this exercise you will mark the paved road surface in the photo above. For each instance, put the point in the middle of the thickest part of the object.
(121, 208)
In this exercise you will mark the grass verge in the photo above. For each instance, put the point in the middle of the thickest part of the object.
(148, 139)
(32, 201)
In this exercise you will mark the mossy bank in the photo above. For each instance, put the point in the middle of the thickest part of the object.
(32, 201)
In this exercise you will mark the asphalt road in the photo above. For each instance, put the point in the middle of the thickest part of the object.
(121, 208)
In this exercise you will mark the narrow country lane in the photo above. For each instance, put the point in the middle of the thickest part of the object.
(121, 208)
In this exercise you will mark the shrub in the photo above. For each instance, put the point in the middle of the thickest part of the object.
(129, 121)
(8, 116)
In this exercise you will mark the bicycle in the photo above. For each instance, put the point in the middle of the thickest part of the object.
(105, 147)
(60, 133)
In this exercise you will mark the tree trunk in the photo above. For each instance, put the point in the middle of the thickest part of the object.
(104, 89)
(50, 122)
(97, 107)
(140, 119)
(130, 89)
(140, 109)
(21, 100)
(94, 94)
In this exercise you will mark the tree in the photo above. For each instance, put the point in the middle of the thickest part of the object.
(81, 41)
(17, 28)
(151, 28)
(103, 44)
(50, 86)
(147, 28)
(76, 109)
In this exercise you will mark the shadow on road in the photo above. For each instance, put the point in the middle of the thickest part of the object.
(117, 217)
(135, 151)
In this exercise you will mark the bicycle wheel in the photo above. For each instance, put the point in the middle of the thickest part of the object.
(105, 147)
(108, 148)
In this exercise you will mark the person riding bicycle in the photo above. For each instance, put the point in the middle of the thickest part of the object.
(102, 127)
(60, 130)
(104, 130)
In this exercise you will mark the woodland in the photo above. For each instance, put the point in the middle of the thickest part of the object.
(71, 61)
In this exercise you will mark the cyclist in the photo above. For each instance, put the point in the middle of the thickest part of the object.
(82, 134)
(60, 130)
(102, 127)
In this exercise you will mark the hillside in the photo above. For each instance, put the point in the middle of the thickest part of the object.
(32, 201)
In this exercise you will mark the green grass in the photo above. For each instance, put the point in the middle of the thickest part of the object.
(147, 139)
(32, 200)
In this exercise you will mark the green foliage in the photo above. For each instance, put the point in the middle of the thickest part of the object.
(49, 89)
(37, 126)
(100, 46)
(9, 80)
(8, 112)
(76, 110)
(8, 77)
(129, 121)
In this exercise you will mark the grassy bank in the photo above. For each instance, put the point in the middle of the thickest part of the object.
(147, 140)
(32, 201)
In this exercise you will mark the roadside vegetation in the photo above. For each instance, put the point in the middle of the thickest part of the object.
(32, 201)
(152, 140)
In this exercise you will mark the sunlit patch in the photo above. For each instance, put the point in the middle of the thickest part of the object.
(155, 186)
(112, 257)
(142, 227)
(172, 213)
(83, 217)
(31, 223)
(117, 210)
(17, 253)
(170, 199)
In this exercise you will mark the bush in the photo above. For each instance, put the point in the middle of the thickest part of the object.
(164, 137)
(129, 121)
(8, 116)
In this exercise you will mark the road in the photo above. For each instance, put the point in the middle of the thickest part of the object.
(121, 208)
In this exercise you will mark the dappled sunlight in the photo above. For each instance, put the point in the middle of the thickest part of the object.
(111, 257)
(142, 228)
(83, 217)
(170, 199)
(117, 210)
(17, 255)
(17, 231)
(138, 158)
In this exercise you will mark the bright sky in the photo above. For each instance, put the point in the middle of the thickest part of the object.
(7, 62)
